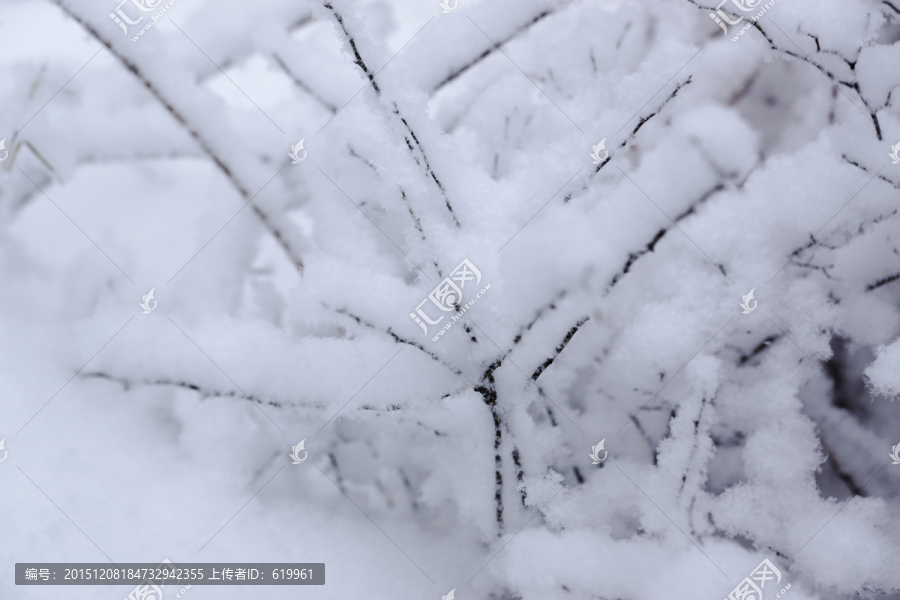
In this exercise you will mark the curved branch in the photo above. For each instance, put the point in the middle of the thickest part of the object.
(193, 131)
(127, 384)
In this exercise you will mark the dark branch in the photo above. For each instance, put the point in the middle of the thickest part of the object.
(397, 338)
(538, 315)
(571, 333)
(359, 61)
(490, 50)
(488, 392)
(127, 384)
(428, 168)
(882, 282)
(633, 134)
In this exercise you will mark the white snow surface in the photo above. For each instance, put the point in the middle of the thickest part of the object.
(285, 292)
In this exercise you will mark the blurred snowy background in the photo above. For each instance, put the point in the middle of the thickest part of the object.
(757, 159)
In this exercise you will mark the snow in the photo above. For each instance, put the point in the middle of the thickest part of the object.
(285, 291)
(882, 374)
